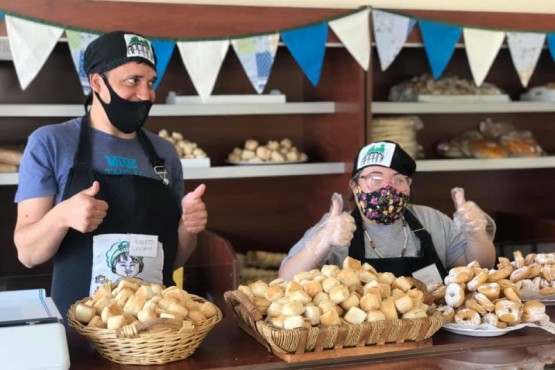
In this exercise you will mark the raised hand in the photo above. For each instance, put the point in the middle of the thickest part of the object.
(195, 215)
(84, 212)
(340, 226)
(471, 219)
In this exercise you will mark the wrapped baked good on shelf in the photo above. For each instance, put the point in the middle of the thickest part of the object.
(10, 157)
(259, 265)
(521, 144)
(417, 88)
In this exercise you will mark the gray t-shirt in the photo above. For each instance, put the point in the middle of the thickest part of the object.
(51, 149)
(448, 241)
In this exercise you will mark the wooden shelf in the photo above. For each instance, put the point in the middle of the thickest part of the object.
(161, 110)
(231, 172)
(433, 108)
(437, 165)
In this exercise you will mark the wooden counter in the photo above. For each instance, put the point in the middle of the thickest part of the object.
(227, 346)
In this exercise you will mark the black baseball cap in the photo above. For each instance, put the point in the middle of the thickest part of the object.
(385, 154)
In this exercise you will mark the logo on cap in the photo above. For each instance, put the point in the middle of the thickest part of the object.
(379, 154)
(140, 47)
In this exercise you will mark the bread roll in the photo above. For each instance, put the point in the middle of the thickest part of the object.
(320, 297)
(208, 309)
(348, 277)
(146, 315)
(145, 291)
(293, 322)
(389, 310)
(375, 315)
(352, 301)
(196, 316)
(110, 310)
(273, 293)
(330, 318)
(84, 313)
(401, 283)
(355, 315)
(301, 296)
(370, 302)
(403, 304)
(291, 287)
(351, 263)
(312, 314)
(133, 305)
(339, 293)
(312, 287)
(259, 288)
(116, 322)
(274, 309)
(330, 270)
(292, 308)
(386, 277)
(96, 322)
(414, 313)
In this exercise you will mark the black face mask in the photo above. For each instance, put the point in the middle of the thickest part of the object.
(127, 116)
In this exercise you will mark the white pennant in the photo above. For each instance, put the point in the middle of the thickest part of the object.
(525, 48)
(78, 42)
(354, 33)
(203, 60)
(31, 44)
(482, 47)
(390, 33)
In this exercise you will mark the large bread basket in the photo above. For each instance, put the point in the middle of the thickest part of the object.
(345, 339)
(159, 344)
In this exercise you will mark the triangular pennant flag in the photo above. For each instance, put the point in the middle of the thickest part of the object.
(31, 44)
(256, 55)
(354, 33)
(551, 44)
(439, 43)
(308, 46)
(163, 50)
(482, 47)
(1, 15)
(525, 48)
(203, 60)
(412, 23)
(78, 42)
(390, 33)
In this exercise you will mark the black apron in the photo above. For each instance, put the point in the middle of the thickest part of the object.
(399, 266)
(137, 204)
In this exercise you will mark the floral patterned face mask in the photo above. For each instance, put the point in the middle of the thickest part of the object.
(384, 205)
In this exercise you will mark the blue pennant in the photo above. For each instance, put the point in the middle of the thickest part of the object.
(439, 42)
(1, 15)
(308, 45)
(551, 44)
(163, 50)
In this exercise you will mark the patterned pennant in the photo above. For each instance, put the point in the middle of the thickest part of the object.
(308, 46)
(257, 57)
(551, 44)
(482, 47)
(525, 48)
(203, 60)
(390, 32)
(439, 43)
(31, 44)
(353, 31)
(163, 50)
(78, 42)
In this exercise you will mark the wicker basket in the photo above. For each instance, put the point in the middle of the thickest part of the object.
(320, 338)
(159, 344)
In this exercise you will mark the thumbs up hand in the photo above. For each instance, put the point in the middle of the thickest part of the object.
(469, 217)
(339, 226)
(195, 215)
(84, 212)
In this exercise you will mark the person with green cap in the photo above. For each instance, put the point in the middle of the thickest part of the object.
(101, 180)
(387, 231)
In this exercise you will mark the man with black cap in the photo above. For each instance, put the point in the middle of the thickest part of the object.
(388, 232)
(100, 181)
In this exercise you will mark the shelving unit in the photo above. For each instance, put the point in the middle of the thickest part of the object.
(463, 108)
(168, 110)
(234, 172)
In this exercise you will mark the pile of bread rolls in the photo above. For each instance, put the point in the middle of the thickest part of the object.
(10, 158)
(259, 265)
(479, 295)
(132, 302)
(332, 295)
(273, 151)
(185, 149)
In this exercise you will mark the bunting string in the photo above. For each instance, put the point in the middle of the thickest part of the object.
(32, 40)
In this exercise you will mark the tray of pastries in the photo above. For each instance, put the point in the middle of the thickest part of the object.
(135, 322)
(273, 152)
(349, 311)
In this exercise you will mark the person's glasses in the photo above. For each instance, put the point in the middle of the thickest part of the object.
(375, 182)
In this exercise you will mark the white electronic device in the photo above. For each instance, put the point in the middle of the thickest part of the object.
(32, 335)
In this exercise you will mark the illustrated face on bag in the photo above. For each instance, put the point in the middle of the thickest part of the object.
(126, 265)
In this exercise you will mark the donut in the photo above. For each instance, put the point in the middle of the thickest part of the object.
(533, 311)
(519, 260)
(511, 295)
(454, 295)
(477, 280)
(484, 301)
(502, 273)
(506, 283)
(490, 290)
(503, 261)
(547, 290)
(508, 311)
(472, 304)
(519, 274)
(529, 259)
(545, 258)
(535, 269)
(474, 265)
(467, 316)
(459, 274)
(439, 293)
(548, 272)
(492, 319)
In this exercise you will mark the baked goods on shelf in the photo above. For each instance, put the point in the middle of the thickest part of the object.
(10, 157)
(493, 139)
(401, 129)
(273, 151)
(454, 88)
(185, 149)
(259, 265)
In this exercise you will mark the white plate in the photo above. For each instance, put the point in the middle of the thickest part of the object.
(477, 332)
(247, 163)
